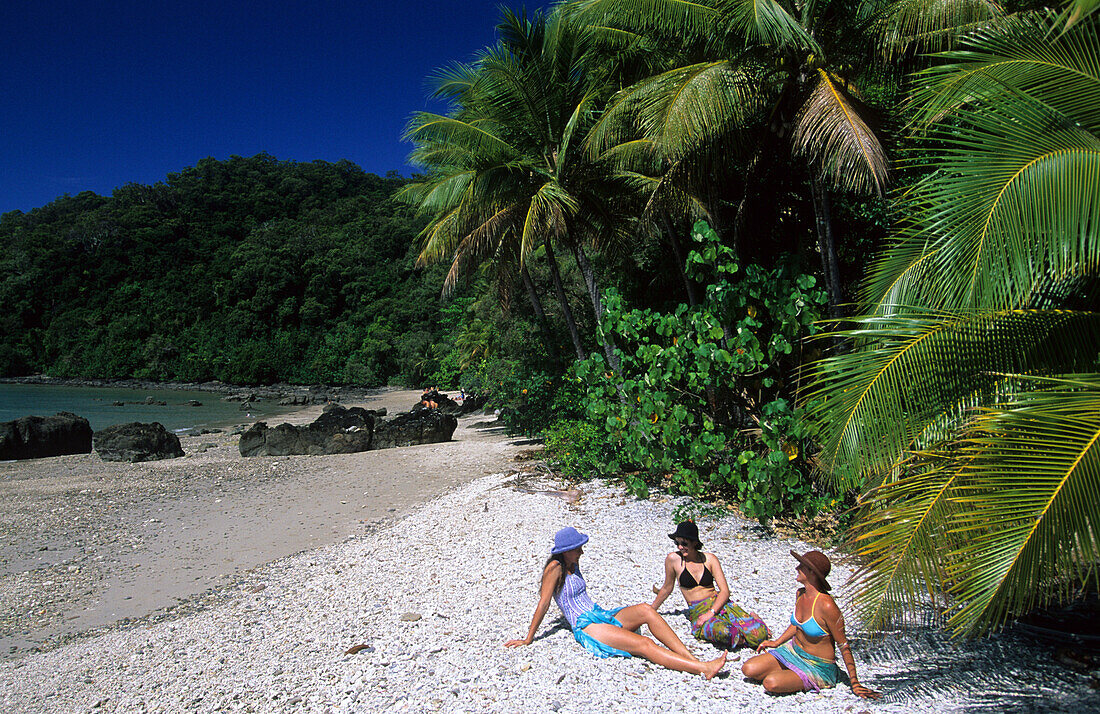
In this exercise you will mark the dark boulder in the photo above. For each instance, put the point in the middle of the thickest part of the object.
(433, 399)
(35, 437)
(136, 442)
(336, 431)
(422, 426)
(295, 400)
(472, 403)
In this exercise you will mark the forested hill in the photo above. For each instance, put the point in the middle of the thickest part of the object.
(250, 270)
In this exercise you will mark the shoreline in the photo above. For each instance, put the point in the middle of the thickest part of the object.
(88, 545)
(429, 600)
(215, 386)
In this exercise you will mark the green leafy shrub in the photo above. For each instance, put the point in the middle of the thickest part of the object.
(576, 448)
(704, 400)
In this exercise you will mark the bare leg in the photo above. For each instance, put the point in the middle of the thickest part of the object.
(760, 666)
(635, 616)
(638, 645)
(783, 682)
(777, 679)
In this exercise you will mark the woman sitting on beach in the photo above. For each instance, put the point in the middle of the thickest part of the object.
(607, 633)
(808, 663)
(713, 616)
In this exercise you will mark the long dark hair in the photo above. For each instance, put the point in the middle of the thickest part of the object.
(560, 558)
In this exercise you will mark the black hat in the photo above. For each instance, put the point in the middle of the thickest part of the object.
(688, 531)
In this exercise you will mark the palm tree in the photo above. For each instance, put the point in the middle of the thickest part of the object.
(508, 173)
(970, 402)
(759, 81)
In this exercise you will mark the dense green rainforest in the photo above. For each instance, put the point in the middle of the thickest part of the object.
(250, 270)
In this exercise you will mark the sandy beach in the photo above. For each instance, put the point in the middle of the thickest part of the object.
(286, 564)
(85, 544)
(428, 601)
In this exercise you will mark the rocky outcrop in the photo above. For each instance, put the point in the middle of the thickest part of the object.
(343, 431)
(442, 402)
(35, 437)
(336, 431)
(136, 441)
(423, 426)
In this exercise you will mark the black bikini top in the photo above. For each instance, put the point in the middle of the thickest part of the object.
(687, 580)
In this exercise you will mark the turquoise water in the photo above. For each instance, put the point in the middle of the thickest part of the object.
(95, 405)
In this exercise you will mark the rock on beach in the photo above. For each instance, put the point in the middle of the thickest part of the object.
(136, 442)
(35, 437)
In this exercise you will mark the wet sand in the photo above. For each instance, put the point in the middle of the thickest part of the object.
(87, 544)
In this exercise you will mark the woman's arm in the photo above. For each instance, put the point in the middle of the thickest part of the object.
(834, 621)
(787, 634)
(550, 578)
(723, 589)
(670, 582)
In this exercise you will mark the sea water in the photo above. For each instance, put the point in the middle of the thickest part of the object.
(97, 405)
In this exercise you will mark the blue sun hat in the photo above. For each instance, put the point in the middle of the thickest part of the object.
(568, 538)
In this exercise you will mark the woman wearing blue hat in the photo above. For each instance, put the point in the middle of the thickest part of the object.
(607, 633)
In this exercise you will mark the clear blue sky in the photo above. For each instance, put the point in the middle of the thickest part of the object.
(96, 95)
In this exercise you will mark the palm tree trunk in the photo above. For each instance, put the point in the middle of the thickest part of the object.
(606, 340)
(569, 321)
(827, 246)
(679, 258)
(540, 314)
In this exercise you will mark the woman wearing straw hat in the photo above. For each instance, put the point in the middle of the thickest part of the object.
(607, 633)
(713, 616)
(804, 656)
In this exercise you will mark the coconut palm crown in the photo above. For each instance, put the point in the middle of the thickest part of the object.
(507, 170)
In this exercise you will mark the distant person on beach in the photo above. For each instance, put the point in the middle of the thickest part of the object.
(607, 633)
(713, 616)
(804, 656)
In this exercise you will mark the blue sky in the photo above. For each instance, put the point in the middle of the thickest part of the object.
(96, 95)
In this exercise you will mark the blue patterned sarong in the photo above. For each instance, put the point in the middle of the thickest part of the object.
(590, 643)
(816, 673)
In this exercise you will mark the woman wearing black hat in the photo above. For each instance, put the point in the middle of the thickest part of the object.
(607, 633)
(713, 616)
(804, 656)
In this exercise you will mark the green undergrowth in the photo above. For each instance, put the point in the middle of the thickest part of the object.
(702, 399)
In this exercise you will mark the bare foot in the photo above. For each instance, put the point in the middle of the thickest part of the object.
(714, 666)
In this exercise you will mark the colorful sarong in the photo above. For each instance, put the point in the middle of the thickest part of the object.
(590, 643)
(816, 673)
(732, 627)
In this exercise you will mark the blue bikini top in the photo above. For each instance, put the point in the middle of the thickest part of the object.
(810, 626)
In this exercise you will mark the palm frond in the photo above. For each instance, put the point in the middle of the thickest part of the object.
(1077, 11)
(441, 194)
(1030, 513)
(836, 140)
(873, 401)
(481, 243)
(1017, 62)
(433, 130)
(920, 26)
(767, 22)
(1015, 203)
(899, 542)
(681, 109)
(683, 18)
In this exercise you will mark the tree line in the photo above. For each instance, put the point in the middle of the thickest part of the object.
(249, 270)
